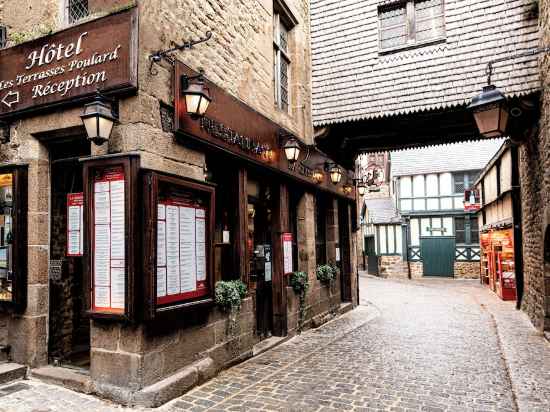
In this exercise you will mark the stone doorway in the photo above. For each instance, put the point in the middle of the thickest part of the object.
(69, 325)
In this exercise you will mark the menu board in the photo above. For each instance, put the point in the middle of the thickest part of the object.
(181, 251)
(109, 269)
(75, 231)
(287, 252)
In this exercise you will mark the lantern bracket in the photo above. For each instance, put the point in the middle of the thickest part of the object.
(490, 65)
(186, 80)
(157, 56)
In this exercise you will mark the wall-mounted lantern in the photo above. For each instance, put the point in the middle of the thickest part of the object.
(347, 189)
(490, 111)
(292, 150)
(335, 174)
(361, 188)
(99, 118)
(318, 176)
(196, 93)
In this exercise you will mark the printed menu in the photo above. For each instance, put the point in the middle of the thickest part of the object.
(75, 227)
(287, 253)
(181, 251)
(109, 269)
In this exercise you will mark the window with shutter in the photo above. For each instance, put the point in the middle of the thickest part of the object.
(410, 23)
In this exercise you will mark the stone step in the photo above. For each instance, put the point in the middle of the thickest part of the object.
(10, 371)
(4, 353)
(75, 379)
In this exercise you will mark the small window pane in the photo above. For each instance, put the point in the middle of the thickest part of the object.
(393, 27)
(284, 84)
(76, 10)
(392, 16)
(459, 230)
(474, 230)
(283, 38)
(415, 234)
(428, 8)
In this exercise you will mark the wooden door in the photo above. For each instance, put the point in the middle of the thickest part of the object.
(438, 255)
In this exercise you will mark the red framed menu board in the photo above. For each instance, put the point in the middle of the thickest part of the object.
(177, 243)
(181, 251)
(113, 225)
(109, 275)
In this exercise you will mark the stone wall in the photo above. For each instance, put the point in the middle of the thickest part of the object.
(535, 194)
(417, 270)
(467, 270)
(392, 267)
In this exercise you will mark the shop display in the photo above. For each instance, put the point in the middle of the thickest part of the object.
(287, 253)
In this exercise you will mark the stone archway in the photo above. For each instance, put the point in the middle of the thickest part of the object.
(547, 278)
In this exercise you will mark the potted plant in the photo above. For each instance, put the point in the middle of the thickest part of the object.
(300, 284)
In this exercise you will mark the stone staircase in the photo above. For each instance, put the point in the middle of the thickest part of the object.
(10, 371)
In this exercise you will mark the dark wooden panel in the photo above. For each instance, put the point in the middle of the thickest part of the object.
(281, 225)
(70, 65)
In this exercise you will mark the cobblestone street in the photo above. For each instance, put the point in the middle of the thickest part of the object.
(430, 345)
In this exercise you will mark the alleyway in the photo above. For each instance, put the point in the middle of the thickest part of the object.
(431, 345)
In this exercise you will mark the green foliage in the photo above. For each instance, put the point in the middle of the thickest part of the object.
(299, 282)
(230, 294)
(326, 273)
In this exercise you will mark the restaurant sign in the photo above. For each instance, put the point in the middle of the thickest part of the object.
(70, 65)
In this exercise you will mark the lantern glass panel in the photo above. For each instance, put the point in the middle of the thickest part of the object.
(292, 153)
(90, 123)
(335, 175)
(203, 105)
(105, 127)
(492, 121)
(193, 102)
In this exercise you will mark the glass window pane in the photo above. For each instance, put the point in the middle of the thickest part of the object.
(284, 83)
(6, 236)
(392, 16)
(398, 240)
(405, 187)
(283, 37)
(418, 186)
(415, 232)
(76, 10)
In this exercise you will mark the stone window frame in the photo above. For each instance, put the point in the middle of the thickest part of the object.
(283, 24)
(410, 24)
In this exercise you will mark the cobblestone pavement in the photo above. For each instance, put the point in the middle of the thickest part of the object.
(429, 345)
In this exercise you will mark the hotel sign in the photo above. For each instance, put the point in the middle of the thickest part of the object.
(70, 65)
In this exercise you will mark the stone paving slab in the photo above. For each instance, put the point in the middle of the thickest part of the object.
(427, 345)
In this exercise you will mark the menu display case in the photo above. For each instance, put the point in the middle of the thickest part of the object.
(111, 219)
(13, 237)
(178, 255)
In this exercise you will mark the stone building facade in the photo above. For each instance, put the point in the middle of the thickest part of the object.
(535, 202)
(129, 358)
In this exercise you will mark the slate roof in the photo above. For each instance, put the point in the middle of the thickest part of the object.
(444, 158)
(382, 211)
(353, 81)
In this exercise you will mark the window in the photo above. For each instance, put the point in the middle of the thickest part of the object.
(3, 36)
(463, 181)
(474, 230)
(411, 22)
(76, 10)
(283, 22)
(460, 232)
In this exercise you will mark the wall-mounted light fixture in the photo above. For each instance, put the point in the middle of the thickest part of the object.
(361, 188)
(347, 189)
(99, 118)
(490, 108)
(318, 176)
(196, 93)
(335, 173)
(292, 150)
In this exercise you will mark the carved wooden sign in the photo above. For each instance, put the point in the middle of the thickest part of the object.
(233, 127)
(70, 65)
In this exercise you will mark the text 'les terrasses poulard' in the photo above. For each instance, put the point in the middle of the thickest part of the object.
(49, 53)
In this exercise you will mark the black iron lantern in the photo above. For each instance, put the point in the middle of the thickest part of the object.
(98, 119)
(335, 174)
(292, 150)
(490, 111)
(197, 96)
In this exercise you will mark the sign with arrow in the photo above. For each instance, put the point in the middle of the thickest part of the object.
(69, 66)
(11, 98)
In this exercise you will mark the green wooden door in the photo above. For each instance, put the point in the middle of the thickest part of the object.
(438, 255)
